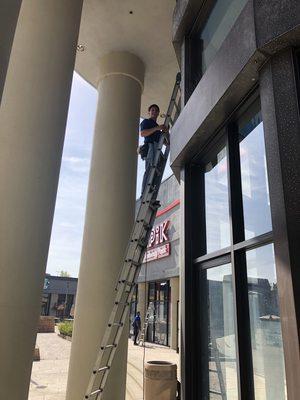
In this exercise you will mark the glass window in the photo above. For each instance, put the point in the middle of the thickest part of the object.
(256, 203)
(217, 26)
(266, 339)
(221, 364)
(216, 202)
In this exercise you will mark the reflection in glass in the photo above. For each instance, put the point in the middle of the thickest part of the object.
(256, 203)
(217, 27)
(220, 365)
(216, 203)
(266, 338)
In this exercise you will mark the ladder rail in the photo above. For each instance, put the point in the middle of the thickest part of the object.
(135, 252)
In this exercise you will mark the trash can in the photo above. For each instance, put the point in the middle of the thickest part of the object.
(160, 380)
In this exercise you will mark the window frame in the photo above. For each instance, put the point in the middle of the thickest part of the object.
(192, 76)
(235, 253)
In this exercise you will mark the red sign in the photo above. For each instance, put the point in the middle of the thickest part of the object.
(159, 235)
(157, 253)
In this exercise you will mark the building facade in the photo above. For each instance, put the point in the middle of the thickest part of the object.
(59, 296)
(158, 285)
(235, 150)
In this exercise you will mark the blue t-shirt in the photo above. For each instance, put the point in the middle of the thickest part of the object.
(137, 322)
(148, 124)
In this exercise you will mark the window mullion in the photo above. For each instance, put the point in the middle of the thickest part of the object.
(239, 268)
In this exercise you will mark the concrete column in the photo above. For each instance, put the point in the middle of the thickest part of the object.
(9, 11)
(174, 317)
(109, 219)
(32, 123)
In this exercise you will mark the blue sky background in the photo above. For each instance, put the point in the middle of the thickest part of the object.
(66, 238)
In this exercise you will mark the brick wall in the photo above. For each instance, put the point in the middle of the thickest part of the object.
(46, 324)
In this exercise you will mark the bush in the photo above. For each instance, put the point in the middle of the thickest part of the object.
(66, 328)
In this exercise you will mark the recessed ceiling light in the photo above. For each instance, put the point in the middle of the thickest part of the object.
(130, 12)
(80, 47)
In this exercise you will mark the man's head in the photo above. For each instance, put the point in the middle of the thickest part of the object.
(138, 313)
(153, 111)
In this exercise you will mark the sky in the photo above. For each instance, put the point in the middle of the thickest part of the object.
(68, 223)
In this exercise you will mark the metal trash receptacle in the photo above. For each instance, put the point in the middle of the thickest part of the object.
(160, 380)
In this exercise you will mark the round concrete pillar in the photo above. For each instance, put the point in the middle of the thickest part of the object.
(109, 220)
(9, 11)
(33, 116)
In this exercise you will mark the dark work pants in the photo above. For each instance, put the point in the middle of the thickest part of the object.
(149, 163)
(135, 334)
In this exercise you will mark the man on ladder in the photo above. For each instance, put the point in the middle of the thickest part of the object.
(151, 131)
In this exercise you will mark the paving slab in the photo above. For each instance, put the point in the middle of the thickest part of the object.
(49, 375)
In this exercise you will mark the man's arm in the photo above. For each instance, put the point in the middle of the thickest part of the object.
(150, 131)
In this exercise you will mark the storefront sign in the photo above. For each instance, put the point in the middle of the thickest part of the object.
(159, 234)
(156, 248)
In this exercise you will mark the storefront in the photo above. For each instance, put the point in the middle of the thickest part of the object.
(158, 283)
(58, 298)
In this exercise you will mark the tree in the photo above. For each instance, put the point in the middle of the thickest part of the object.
(64, 274)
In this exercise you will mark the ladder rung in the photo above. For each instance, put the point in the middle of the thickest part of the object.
(152, 187)
(135, 263)
(215, 392)
(87, 396)
(128, 283)
(140, 242)
(123, 303)
(101, 369)
(108, 346)
(115, 324)
(154, 206)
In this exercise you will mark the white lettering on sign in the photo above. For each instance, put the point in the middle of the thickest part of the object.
(159, 234)
(157, 253)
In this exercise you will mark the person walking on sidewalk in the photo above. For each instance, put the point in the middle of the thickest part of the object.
(136, 327)
(151, 132)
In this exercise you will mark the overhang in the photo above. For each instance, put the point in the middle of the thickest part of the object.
(233, 73)
(141, 27)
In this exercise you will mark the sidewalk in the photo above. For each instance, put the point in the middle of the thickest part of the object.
(49, 376)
